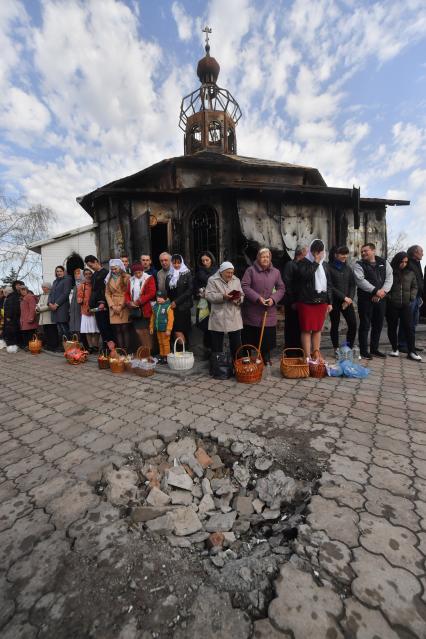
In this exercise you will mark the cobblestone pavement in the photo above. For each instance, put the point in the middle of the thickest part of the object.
(359, 565)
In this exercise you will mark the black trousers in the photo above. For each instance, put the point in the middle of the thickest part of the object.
(350, 317)
(371, 315)
(217, 341)
(105, 328)
(50, 337)
(291, 328)
(404, 317)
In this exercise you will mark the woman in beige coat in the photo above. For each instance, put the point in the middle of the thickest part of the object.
(115, 291)
(225, 295)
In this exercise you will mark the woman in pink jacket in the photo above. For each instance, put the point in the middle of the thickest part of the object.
(29, 321)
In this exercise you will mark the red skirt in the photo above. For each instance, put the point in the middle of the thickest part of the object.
(311, 316)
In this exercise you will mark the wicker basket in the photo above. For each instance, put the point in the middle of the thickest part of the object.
(70, 343)
(317, 369)
(294, 367)
(35, 344)
(248, 369)
(117, 364)
(180, 361)
(143, 364)
(103, 360)
(76, 354)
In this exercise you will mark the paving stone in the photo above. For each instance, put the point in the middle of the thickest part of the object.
(361, 622)
(7, 603)
(12, 509)
(7, 491)
(393, 590)
(349, 469)
(335, 558)
(396, 463)
(344, 492)
(397, 510)
(389, 480)
(122, 486)
(167, 430)
(339, 522)
(71, 505)
(21, 538)
(43, 494)
(19, 628)
(304, 608)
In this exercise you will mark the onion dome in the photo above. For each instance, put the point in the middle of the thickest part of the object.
(208, 68)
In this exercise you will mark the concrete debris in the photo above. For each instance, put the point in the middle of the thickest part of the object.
(258, 505)
(122, 486)
(263, 463)
(181, 497)
(186, 522)
(206, 487)
(161, 525)
(179, 478)
(157, 497)
(276, 488)
(241, 474)
(221, 522)
(189, 460)
(206, 504)
(142, 514)
(203, 458)
(243, 505)
(184, 446)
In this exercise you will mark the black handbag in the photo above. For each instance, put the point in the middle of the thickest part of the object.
(135, 313)
(221, 365)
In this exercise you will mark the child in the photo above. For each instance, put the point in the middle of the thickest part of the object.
(162, 319)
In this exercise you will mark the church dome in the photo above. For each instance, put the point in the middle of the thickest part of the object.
(208, 68)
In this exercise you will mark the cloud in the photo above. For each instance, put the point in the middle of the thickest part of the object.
(184, 22)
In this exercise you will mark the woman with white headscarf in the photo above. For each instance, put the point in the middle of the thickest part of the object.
(314, 296)
(179, 289)
(115, 293)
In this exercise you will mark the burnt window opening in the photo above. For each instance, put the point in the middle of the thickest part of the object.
(195, 137)
(215, 133)
(205, 232)
(231, 140)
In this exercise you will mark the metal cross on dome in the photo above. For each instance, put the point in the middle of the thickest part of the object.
(207, 30)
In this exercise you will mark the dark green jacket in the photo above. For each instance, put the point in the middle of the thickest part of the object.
(160, 313)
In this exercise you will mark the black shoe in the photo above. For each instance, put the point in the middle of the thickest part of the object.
(403, 349)
(378, 354)
(366, 356)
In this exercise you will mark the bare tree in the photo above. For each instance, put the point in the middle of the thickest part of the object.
(20, 225)
(396, 243)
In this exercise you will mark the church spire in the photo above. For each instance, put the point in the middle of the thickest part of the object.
(209, 115)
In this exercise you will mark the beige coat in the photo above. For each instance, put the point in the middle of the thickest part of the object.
(43, 309)
(115, 292)
(225, 315)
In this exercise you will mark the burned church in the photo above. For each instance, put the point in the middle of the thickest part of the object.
(213, 199)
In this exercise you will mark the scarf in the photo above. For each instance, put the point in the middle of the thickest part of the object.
(338, 264)
(176, 273)
(137, 285)
(320, 276)
(114, 262)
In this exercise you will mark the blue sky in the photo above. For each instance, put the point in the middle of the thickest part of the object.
(91, 92)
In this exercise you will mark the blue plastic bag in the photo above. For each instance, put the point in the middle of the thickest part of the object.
(351, 369)
(335, 370)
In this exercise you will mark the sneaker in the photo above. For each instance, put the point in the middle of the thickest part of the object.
(366, 356)
(378, 354)
(394, 353)
(414, 356)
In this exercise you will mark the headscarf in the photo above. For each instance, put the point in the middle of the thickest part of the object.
(225, 266)
(177, 272)
(114, 262)
(397, 259)
(320, 276)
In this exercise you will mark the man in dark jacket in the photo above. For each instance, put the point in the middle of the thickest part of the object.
(291, 319)
(374, 278)
(415, 256)
(98, 301)
(343, 286)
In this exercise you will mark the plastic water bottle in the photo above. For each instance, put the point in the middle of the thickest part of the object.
(346, 353)
(356, 353)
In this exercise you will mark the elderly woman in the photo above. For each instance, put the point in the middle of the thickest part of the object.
(48, 327)
(263, 288)
(139, 295)
(224, 293)
(28, 317)
(59, 301)
(88, 326)
(313, 292)
(179, 289)
(398, 305)
(115, 292)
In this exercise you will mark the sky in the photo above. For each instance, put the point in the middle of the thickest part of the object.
(91, 92)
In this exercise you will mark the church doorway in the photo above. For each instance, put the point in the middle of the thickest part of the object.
(205, 232)
(159, 242)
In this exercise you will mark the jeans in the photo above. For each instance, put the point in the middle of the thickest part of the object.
(217, 341)
(415, 315)
(403, 315)
(350, 317)
(371, 315)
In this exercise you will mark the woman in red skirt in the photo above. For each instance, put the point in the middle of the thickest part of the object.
(313, 294)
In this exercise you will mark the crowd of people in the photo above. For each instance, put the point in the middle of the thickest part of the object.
(118, 306)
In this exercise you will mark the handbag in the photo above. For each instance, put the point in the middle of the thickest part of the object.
(221, 365)
(135, 313)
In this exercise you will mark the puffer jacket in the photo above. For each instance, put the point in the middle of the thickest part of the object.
(225, 315)
(342, 282)
(404, 288)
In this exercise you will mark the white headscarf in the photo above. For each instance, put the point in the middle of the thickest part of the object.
(114, 262)
(176, 273)
(320, 276)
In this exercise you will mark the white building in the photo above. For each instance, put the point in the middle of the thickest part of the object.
(55, 250)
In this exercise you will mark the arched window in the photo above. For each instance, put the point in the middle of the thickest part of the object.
(205, 232)
(215, 133)
(195, 137)
(231, 140)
